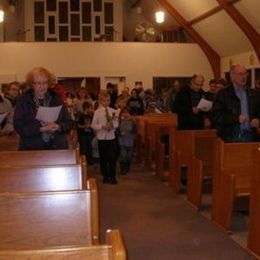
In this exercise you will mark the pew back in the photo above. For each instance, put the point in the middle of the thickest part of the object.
(42, 178)
(113, 250)
(40, 220)
(39, 157)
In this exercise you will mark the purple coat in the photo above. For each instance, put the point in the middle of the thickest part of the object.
(28, 127)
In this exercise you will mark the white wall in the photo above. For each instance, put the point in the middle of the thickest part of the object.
(136, 61)
(249, 59)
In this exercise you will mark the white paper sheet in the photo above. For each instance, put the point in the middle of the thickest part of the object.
(204, 105)
(2, 117)
(48, 114)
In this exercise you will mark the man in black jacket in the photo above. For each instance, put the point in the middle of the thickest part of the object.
(236, 109)
(185, 105)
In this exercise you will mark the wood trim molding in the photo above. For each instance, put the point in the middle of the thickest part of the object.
(213, 57)
(208, 13)
(252, 35)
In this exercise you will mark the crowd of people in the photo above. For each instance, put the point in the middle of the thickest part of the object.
(106, 127)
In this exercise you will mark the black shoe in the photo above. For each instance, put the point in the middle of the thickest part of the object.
(106, 180)
(113, 181)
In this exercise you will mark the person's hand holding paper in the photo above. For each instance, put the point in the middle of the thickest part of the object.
(204, 105)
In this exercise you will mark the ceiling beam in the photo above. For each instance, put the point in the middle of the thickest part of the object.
(213, 57)
(252, 35)
(209, 13)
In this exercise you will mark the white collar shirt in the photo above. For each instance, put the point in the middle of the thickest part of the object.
(100, 120)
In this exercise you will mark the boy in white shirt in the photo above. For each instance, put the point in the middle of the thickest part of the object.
(104, 123)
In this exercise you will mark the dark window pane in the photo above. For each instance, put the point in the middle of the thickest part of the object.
(109, 13)
(63, 12)
(97, 5)
(86, 12)
(109, 32)
(51, 25)
(97, 24)
(74, 18)
(51, 39)
(51, 5)
(39, 33)
(86, 33)
(64, 33)
(75, 39)
(38, 12)
(74, 5)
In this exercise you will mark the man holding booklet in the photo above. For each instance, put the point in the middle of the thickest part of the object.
(41, 118)
(190, 116)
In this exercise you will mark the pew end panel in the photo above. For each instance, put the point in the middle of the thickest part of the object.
(195, 183)
(253, 243)
(92, 187)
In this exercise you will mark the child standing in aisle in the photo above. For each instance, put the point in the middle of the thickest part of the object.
(127, 132)
(105, 123)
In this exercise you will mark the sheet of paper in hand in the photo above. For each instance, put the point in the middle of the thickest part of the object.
(204, 105)
(2, 117)
(48, 114)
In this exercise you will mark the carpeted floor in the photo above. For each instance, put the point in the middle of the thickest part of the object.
(156, 225)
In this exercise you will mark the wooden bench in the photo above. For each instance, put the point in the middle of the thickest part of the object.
(254, 212)
(150, 136)
(231, 178)
(49, 219)
(163, 130)
(114, 249)
(186, 145)
(9, 143)
(42, 178)
(40, 157)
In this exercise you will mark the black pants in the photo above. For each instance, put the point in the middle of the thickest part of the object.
(108, 156)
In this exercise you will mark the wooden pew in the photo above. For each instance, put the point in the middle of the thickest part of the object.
(254, 212)
(42, 178)
(231, 178)
(185, 146)
(49, 219)
(151, 126)
(9, 143)
(40, 157)
(114, 249)
(163, 129)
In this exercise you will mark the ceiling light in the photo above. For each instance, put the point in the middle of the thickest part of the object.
(159, 17)
(2, 14)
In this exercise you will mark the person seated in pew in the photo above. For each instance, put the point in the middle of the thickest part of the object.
(36, 134)
(12, 92)
(237, 109)
(105, 123)
(6, 125)
(185, 105)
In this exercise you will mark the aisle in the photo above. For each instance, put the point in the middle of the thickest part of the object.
(156, 225)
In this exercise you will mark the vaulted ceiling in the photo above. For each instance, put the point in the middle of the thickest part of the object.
(228, 27)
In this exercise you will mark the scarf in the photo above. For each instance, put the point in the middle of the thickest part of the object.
(45, 102)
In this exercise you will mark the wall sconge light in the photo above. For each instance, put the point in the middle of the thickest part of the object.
(159, 17)
(2, 15)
